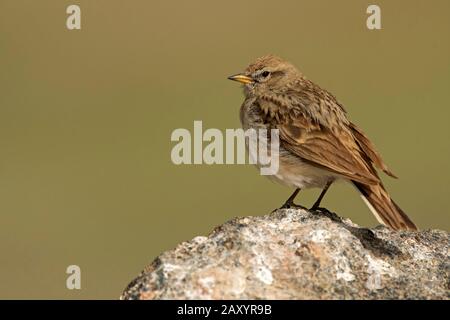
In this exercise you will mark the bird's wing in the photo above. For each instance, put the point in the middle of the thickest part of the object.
(369, 149)
(334, 151)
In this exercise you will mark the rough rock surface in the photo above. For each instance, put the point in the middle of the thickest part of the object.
(296, 254)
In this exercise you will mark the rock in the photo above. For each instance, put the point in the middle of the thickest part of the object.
(297, 254)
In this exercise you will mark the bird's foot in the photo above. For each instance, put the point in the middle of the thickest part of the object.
(292, 205)
(316, 208)
(320, 210)
(325, 212)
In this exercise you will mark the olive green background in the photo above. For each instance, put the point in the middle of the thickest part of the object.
(86, 118)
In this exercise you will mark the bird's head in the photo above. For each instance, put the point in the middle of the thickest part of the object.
(268, 73)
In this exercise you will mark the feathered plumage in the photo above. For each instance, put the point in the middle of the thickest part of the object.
(318, 144)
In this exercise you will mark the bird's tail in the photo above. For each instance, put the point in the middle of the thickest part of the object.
(384, 208)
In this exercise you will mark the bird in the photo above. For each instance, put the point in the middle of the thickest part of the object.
(318, 144)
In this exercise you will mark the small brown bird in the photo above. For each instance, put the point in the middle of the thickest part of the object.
(318, 144)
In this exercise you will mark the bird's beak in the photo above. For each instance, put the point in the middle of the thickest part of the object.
(241, 78)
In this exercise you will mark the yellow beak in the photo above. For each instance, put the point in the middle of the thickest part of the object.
(241, 78)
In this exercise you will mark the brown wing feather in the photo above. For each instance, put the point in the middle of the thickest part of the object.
(369, 150)
(321, 147)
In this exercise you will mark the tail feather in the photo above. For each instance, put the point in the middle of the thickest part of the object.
(384, 208)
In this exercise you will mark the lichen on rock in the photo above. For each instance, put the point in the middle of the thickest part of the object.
(297, 254)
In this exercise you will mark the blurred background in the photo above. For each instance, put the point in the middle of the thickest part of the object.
(86, 118)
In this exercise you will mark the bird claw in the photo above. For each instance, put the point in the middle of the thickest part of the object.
(292, 205)
(314, 209)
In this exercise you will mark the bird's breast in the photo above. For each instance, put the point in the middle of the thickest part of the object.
(294, 172)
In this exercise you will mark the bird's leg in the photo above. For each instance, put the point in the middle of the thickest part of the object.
(325, 189)
(290, 202)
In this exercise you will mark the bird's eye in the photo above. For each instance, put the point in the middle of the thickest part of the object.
(265, 74)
